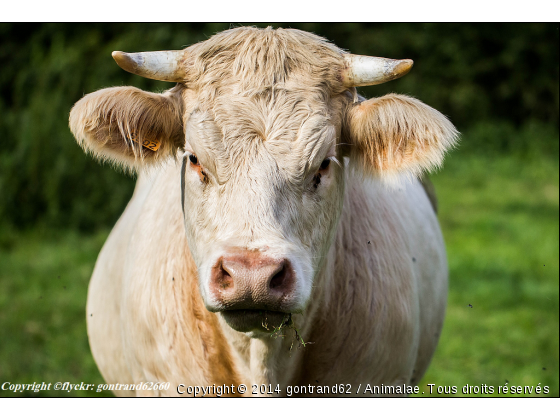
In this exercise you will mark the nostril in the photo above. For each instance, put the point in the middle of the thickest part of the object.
(225, 280)
(278, 279)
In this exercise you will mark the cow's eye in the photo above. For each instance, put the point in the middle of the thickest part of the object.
(325, 164)
(197, 167)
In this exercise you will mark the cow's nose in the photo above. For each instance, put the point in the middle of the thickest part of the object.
(250, 280)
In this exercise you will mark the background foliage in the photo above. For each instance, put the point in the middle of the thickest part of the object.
(498, 192)
(492, 74)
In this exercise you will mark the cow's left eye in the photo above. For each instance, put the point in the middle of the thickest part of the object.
(324, 166)
(193, 159)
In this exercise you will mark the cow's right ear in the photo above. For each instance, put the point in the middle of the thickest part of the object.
(128, 126)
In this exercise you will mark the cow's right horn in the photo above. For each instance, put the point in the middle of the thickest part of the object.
(361, 70)
(157, 65)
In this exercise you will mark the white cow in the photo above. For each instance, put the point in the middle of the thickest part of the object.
(262, 244)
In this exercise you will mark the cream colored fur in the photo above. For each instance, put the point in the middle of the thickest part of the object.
(105, 122)
(261, 110)
(396, 133)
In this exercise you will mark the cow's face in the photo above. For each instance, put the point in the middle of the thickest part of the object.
(261, 120)
(263, 187)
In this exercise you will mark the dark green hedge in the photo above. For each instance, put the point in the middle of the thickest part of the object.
(475, 73)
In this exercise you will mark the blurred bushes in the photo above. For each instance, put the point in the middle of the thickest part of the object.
(499, 82)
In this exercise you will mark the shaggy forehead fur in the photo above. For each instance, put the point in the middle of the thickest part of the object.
(250, 87)
(240, 131)
(248, 61)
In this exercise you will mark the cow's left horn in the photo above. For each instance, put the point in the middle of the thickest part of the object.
(158, 65)
(361, 70)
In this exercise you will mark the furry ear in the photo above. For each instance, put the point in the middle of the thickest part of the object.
(127, 126)
(397, 134)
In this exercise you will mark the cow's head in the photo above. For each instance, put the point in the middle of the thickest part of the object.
(263, 121)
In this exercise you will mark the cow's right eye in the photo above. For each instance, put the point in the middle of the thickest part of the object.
(198, 168)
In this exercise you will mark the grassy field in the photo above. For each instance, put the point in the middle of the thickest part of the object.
(43, 288)
(500, 221)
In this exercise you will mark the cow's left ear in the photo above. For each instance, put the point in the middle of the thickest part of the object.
(128, 126)
(397, 134)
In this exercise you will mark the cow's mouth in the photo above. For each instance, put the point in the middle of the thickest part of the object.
(247, 320)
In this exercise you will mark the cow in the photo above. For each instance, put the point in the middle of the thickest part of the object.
(278, 233)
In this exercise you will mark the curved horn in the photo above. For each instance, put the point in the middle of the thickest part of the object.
(158, 65)
(361, 70)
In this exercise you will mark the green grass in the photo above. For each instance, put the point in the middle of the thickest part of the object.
(499, 215)
(43, 288)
